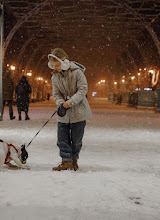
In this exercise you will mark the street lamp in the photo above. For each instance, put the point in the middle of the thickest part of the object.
(39, 78)
(29, 74)
(12, 67)
(151, 71)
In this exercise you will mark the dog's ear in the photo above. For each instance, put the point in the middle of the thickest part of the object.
(24, 154)
(23, 147)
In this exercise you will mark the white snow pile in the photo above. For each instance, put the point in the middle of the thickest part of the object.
(119, 175)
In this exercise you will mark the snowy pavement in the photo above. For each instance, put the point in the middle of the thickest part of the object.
(119, 175)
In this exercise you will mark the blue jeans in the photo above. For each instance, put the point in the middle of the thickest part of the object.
(70, 139)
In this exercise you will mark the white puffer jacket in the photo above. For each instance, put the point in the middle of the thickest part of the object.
(72, 87)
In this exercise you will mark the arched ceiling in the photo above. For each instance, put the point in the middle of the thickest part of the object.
(93, 32)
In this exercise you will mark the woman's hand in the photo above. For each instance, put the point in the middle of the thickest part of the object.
(66, 104)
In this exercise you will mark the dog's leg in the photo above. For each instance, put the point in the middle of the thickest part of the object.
(18, 162)
(2, 158)
(11, 165)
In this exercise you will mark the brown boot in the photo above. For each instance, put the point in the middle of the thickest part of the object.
(65, 165)
(75, 165)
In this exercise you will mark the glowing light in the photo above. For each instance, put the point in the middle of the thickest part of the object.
(139, 74)
(115, 83)
(29, 74)
(145, 68)
(148, 89)
(140, 69)
(133, 77)
(123, 80)
(13, 67)
(46, 81)
(39, 78)
(103, 81)
(94, 93)
(151, 71)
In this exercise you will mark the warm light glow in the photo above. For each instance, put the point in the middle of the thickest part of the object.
(123, 76)
(151, 71)
(103, 81)
(99, 82)
(115, 83)
(133, 77)
(145, 68)
(39, 78)
(140, 69)
(139, 74)
(7, 64)
(94, 93)
(45, 81)
(29, 74)
(123, 80)
(13, 67)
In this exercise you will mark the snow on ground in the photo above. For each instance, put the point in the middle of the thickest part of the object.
(119, 175)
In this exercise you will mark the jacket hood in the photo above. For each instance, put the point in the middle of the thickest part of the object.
(75, 65)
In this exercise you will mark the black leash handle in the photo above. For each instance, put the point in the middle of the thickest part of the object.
(41, 128)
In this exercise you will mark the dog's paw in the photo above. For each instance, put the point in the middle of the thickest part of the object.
(13, 168)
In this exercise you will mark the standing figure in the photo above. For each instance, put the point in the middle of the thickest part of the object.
(8, 89)
(69, 91)
(23, 90)
(48, 96)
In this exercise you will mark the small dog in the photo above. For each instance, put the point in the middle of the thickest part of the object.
(9, 152)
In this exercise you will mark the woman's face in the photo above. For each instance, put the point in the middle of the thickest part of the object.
(56, 65)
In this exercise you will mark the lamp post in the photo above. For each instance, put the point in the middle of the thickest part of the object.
(115, 85)
(132, 78)
(13, 69)
(29, 74)
(138, 83)
(39, 79)
(1, 57)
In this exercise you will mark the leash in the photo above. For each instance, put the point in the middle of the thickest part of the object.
(41, 128)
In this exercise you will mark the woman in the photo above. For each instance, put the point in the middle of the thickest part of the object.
(23, 89)
(8, 89)
(69, 89)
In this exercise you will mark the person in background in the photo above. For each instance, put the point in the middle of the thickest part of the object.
(8, 89)
(69, 86)
(48, 96)
(23, 90)
(119, 99)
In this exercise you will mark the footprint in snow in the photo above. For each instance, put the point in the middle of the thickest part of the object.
(136, 200)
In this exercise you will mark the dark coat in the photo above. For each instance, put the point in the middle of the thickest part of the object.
(8, 87)
(23, 89)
